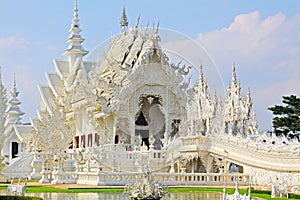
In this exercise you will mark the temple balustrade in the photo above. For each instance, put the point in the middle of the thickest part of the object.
(111, 151)
(170, 179)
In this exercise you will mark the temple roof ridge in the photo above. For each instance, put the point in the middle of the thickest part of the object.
(129, 48)
(55, 83)
(47, 97)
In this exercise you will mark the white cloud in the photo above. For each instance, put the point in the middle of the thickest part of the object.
(248, 38)
(13, 44)
(267, 55)
(266, 52)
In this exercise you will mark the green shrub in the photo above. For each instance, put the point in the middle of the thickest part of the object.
(294, 196)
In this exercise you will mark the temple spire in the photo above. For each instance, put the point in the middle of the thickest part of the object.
(75, 40)
(124, 20)
(13, 111)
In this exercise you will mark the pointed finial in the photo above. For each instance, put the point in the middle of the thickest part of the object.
(233, 66)
(14, 92)
(14, 81)
(233, 72)
(153, 29)
(156, 31)
(138, 22)
(147, 26)
(75, 5)
(75, 15)
(201, 75)
(124, 20)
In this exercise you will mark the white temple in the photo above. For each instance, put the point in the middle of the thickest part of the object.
(104, 122)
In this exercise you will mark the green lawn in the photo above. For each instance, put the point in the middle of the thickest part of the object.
(254, 193)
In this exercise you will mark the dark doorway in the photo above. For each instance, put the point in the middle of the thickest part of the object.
(116, 139)
(14, 149)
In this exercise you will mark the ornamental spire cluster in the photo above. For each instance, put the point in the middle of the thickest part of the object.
(237, 107)
(206, 106)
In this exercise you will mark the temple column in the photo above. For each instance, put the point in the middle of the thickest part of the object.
(226, 166)
(167, 119)
(167, 126)
(193, 166)
(132, 130)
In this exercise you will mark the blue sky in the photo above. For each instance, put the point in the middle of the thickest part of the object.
(261, 37)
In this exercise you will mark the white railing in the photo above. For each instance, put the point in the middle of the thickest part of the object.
(170, 179)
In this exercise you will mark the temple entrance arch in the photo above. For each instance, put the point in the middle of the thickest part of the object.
(150, 120)
(164, 103)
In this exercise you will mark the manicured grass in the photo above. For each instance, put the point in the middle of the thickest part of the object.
(255, 193)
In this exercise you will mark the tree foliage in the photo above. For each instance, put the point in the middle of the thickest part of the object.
(287, 117)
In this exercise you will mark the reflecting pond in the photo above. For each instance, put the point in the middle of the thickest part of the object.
(120, 196)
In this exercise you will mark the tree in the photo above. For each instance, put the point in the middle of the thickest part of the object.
(287, 120)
